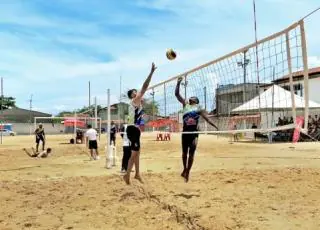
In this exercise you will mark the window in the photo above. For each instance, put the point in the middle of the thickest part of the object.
(297, 88)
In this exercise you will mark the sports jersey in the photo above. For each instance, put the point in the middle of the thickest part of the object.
(135, 114)
(40, 133)
(191, 116)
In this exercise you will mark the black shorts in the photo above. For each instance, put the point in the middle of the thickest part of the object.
(38, 139)
(113, 138)
(133, 134)
(93, 145)
(189, 142)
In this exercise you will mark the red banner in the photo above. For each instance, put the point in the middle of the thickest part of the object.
(296, 133)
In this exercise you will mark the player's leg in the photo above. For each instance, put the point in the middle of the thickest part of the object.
(43, 143)
(185, 147)
(27, 152)
(37, 144)
(91, 149)
(131, 162)
(192, 151)
(127, 157)
(137, 162)
(133, 134)
(96, 148)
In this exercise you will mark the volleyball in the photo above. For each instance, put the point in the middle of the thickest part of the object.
(171, 54)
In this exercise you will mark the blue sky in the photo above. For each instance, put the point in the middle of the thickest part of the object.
(51, 49)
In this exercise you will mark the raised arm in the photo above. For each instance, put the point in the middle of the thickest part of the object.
(204, 114)
(145, 85)
(177, 92)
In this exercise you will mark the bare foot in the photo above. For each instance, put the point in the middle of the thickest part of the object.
(183, 174)
(186, 176)
(139, 179)
(126, 179)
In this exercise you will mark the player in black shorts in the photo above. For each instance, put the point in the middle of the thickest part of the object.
(191, 115)
(113, 132)
(133, 130)
(40, 136)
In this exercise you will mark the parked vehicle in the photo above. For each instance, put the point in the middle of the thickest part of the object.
(6, 132)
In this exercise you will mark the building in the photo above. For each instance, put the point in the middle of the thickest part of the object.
(18, 115)
(119, 113)
(231, 96)
(298, 83)
(22, 120)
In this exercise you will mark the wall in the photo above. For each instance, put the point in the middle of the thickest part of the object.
(24, 128)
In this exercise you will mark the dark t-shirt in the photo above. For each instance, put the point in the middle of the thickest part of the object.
(40, 133)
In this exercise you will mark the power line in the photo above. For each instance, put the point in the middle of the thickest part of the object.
(311, 13)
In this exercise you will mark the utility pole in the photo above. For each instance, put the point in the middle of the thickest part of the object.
(119, 105)
(30, 112)
(244, 64)
(89, 99)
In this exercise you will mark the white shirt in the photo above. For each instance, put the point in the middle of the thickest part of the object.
(125, 139)
(91, 134)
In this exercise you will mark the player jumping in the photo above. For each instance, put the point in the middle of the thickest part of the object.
(191, 114)
(133, 130)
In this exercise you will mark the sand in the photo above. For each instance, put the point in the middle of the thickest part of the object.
(232, 186)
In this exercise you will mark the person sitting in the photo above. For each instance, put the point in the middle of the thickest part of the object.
(42, 154)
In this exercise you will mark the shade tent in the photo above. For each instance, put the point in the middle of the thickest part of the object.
(74, 122)
(275, 98)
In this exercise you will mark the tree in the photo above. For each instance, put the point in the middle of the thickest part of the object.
(64, 113)
(7, 102)
(150, 107)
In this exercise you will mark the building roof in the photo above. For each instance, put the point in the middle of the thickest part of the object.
(299, 74)
(21, 115)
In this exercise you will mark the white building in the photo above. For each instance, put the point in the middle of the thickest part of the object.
(298, 83)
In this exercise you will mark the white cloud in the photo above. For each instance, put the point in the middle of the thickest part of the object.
(56, 66)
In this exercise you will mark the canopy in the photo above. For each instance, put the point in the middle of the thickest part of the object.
(275, 97)
(74, 122)
(161, 123)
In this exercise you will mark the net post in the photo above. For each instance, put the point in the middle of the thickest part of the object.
(153, 108)
(305, 75)
(95, 112)
(205, 107)
(75, 128)
(165, 100)
(99, 128)
(294, 115)
(108, 128)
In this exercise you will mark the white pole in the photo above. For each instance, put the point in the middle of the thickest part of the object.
(108, 127)
(294, 115)
(306, 76)
(99, 128)
(75, 127)
(95, 112)
(1, 110)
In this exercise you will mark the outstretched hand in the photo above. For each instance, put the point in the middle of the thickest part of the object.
(180, 79)
(153, 67)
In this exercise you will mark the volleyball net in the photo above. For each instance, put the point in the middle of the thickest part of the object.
(260, 87)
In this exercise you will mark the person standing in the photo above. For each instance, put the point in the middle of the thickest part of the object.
(91, 140)
(40, 136)
(113, 132)
(126, 148)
